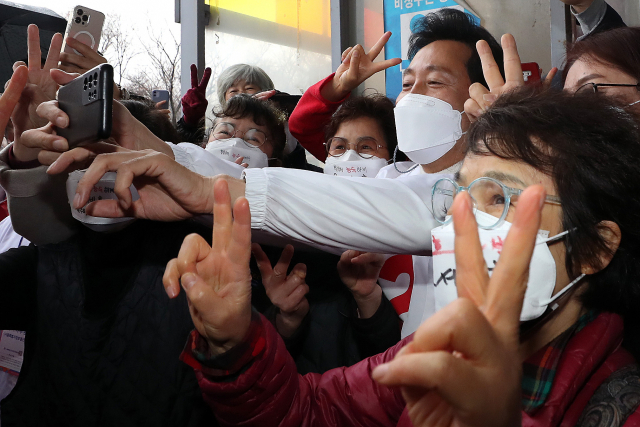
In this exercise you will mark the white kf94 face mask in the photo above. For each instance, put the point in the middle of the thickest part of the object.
(232, 149)
(427, 127)
(351, 164)
(542, 269)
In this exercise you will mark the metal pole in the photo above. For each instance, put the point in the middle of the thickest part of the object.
(192, 18)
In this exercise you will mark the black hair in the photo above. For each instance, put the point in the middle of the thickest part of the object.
(158, 123)
(590, 147)
(377, 107)
(263, 113)
(455, 25)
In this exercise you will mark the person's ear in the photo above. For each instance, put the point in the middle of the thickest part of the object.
(611, 234)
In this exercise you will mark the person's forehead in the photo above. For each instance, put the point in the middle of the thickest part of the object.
(442, 55)
(586, 70)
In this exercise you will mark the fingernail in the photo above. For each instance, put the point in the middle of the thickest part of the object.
(380, 372)
(76, 201)
(171, 292)
(489, 97)
(542, 200)
(61, 122)
(356, 54)
(188, 280)
(479, 112)
(60, 144)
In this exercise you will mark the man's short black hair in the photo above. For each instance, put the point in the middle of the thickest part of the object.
(455, 25)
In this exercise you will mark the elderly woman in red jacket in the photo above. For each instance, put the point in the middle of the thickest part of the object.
(570, 363)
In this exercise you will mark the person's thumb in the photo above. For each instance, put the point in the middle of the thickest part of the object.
(201, 295)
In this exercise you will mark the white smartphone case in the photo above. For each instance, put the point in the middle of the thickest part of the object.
(85, 26)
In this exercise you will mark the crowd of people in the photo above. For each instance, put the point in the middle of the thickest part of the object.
(468, 255)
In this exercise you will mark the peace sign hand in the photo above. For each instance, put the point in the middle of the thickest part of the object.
(357, 66)
(40, 88)
(481, 98)
(194, 102)
(463, 367)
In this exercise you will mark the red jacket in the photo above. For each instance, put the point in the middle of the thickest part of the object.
(270, 392)
(309, 118)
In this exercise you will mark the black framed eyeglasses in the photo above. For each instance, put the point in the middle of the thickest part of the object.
(593, 87)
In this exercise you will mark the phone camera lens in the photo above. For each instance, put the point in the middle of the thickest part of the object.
(95, 76)
(95, 93)
(77, 20)
(90, 77)
(80, 12)
(90, 85)
(85, 18)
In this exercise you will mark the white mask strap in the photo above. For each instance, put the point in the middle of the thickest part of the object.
(634, 103)
(553, 238)
(558, 295)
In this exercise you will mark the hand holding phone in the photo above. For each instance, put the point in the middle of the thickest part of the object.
(85, 26)
(88, 101)
(159, 95)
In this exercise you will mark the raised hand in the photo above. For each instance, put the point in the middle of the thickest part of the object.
(287, 293)
(357, 66)
(481, 98)
(216, 279)
(194, 102)
(11, 95)
(74, 63)
(463, 367)
(359, 272)
(40, 88)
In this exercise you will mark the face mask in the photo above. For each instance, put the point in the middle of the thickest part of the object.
(351, 164)
(232, 149)
(103, 190)
(542, 270)
(427, 127)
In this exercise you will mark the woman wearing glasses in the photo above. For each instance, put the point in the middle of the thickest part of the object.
(360, 137)
(578, 337)
(606, 63)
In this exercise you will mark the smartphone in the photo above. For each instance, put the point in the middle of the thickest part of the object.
(85, 25)
(88, 101)
(285, 102)
(158, 95)
(531, 72)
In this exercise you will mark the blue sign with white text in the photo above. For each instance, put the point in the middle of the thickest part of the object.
(400, 17)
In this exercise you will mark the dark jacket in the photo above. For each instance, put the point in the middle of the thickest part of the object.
(331, 334)
(102, 338)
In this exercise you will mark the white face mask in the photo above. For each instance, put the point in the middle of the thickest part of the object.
(542, 270)
(232, 149)
(351, 164)
(427, 127)
(103, 190)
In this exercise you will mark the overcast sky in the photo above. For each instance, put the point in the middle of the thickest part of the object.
(134, 15)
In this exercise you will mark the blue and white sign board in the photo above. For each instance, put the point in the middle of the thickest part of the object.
(401, 17)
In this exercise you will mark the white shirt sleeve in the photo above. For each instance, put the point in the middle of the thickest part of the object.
(333, 213)
(200, 161)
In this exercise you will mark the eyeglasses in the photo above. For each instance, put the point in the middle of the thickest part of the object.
(593, 87)
(488, 195)
(253, 138)
(366, 147)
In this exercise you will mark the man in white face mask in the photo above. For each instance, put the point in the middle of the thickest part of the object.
(303, 207)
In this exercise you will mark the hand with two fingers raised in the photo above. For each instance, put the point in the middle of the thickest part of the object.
(286, 292)
(357, 66)
(216, 278)
(463, 367)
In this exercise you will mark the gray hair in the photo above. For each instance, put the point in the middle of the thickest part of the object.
(249, 73)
